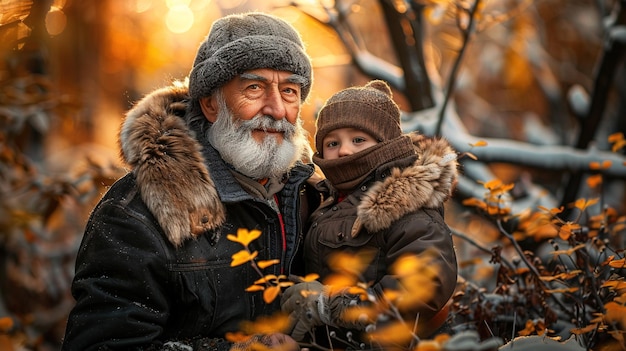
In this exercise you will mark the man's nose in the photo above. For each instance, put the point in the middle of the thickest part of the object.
(274, 105)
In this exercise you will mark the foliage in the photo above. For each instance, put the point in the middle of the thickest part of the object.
(41, 213)
(570, 288)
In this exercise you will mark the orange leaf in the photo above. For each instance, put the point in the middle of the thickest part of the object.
(253, 288)
(267, 263)
(267, 278)
(594, 181)
(6, 324)
(479, 143)
(242, 257)
(310, 277)
(244, 236)
(582, 204)
(618, 263)
(587, 329)
(269, 295)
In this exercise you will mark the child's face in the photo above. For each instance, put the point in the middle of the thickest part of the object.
(346, 141)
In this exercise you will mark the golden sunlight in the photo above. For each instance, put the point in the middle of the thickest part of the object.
(179, 18)
(55, 21)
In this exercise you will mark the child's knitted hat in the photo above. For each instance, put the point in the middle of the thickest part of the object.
(369, 108)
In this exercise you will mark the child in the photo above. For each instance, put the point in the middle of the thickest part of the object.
(386, 192)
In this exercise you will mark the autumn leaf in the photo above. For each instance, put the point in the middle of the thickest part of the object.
(267, 278)
(6, 324)
(475, 202)
(244, 236)
(594, 181)
(569, 251)
(242, 257)
(253, 288)
(236, 337)
(270, 293)
(587, 329)
(266, 263)
(565, 232)
(338, 282)
(615, 284)
(353, 264)
(479, 143)
(582, 204)
(529, 329)
(396, 333)
(615, 313)
(276, 323)
(360, 314)
(617, 139)
(563, 276)
(621, 263)
(310, 277)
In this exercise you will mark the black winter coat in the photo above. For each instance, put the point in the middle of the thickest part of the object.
(154, 263)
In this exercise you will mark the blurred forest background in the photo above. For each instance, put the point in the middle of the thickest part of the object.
(532, 93)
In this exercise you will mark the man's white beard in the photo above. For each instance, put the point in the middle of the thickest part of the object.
(235, 143)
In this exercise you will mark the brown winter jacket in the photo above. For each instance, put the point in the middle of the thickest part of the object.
(398, 210)
(153, 268)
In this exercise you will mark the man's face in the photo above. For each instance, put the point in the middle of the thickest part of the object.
(256, 126)
(262, 92)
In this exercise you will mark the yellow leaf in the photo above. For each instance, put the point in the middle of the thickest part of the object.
(569, 251)
(615, 137)
(265, 279)
(618, 263)
(479, 143)
(6, 324)
(563, 290)
(310, 277)
(615, 313)
(587, 329)
(253, 288)
(236, 337)
(616, 285)
(475, 202)
(267, 263)
(394, 333)
(242, 257)
(276, 323)
(594, 181)
(582, 204)
(269, 295)
(244, 236)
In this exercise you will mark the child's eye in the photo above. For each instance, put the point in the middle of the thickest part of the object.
(358, 140)
(332, 144)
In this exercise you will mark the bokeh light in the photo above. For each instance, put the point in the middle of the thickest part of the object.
(55, 21)
(179, 18)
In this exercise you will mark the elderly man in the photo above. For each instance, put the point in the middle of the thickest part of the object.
(153, 271)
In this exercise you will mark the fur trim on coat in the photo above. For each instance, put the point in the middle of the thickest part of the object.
(428, 183)
(166, 159)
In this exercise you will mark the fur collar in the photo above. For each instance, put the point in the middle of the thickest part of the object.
(427, 183)
(166, 159)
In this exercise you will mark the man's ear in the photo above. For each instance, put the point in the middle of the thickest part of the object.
(209, 108)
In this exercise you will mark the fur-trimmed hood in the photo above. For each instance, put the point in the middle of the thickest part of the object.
(427, 183)
(166, 159)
